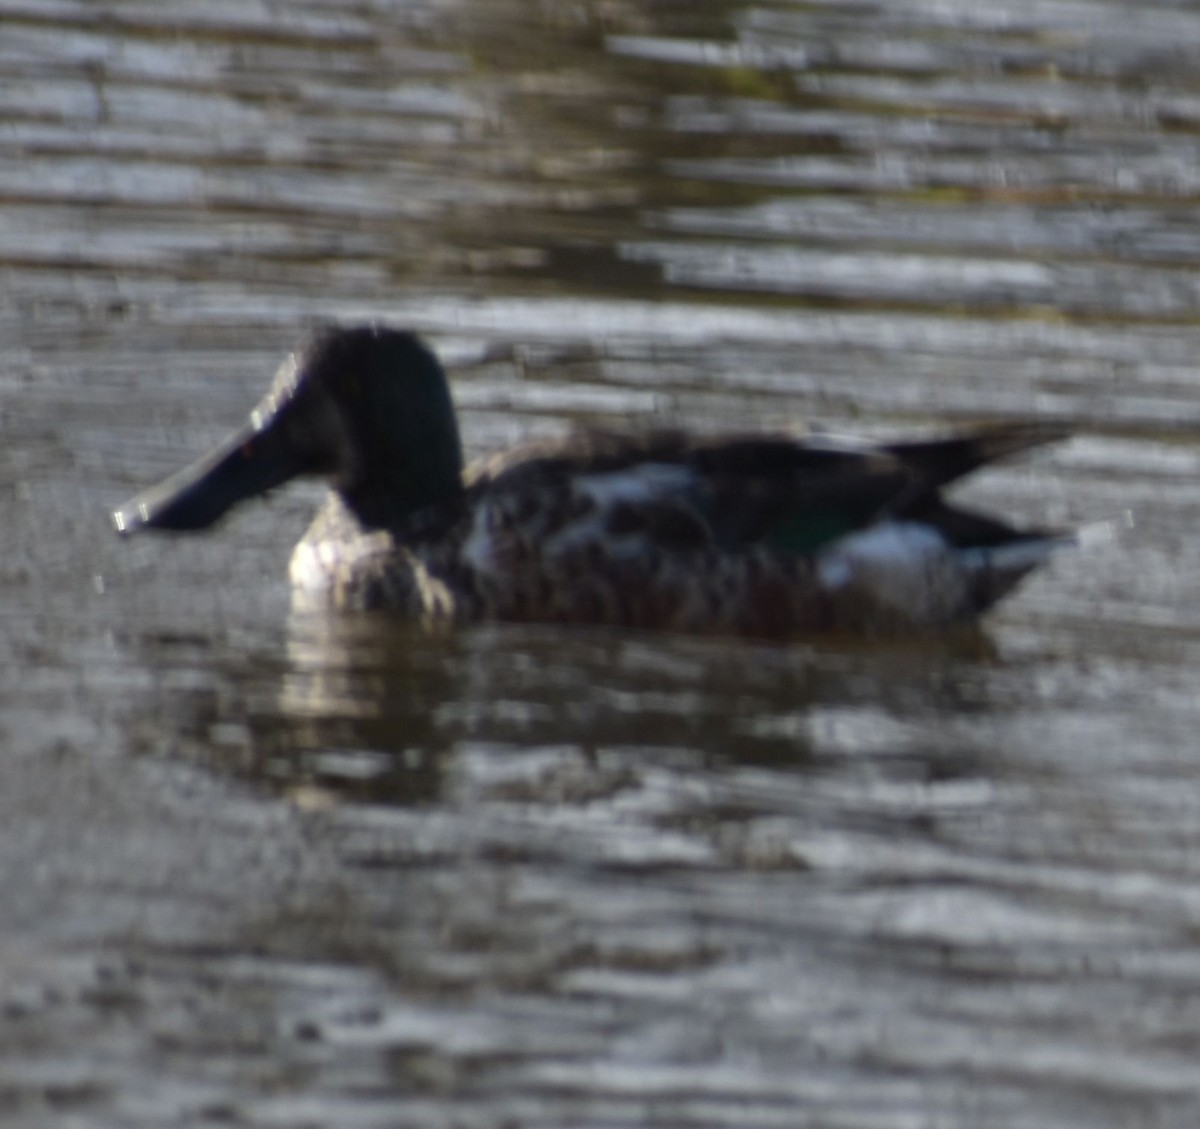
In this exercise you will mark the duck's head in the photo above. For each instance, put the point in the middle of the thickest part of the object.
(367, 407)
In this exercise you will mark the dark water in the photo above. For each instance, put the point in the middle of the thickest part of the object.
(264, 869)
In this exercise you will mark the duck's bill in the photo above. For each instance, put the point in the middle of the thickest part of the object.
(251, 462)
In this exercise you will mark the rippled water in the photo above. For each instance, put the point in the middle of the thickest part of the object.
(274, 870)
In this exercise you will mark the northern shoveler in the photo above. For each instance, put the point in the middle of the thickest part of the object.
(765, 535)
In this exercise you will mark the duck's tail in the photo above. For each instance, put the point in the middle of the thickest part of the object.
(936, 462)
(993, 571)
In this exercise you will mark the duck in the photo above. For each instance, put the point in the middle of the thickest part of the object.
(758, 534)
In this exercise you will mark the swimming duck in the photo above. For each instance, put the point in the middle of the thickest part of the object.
(752, 534)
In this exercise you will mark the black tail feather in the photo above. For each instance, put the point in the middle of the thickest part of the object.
(939, 461)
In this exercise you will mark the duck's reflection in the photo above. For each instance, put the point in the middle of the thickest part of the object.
(358, 709)
(372, 709)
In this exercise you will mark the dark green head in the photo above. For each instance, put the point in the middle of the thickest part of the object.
(366, 407)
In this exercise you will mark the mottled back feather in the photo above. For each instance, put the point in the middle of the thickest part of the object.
(738, 490)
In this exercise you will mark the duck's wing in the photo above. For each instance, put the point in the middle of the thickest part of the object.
(679, 491)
